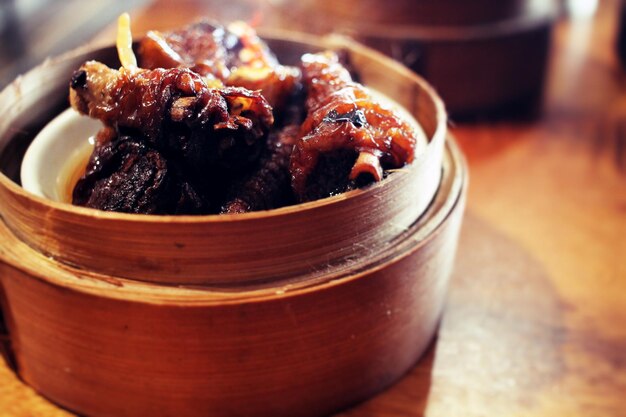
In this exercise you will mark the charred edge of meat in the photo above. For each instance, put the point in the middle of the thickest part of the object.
(331, 175)
(356, 117)
(269, 186)
(223, 128)
(126, 175)
(79, 79)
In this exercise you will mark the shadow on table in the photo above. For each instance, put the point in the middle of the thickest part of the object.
(408, 397)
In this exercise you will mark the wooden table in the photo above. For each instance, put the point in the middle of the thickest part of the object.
(534, 324)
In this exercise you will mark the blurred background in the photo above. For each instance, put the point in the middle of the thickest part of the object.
(31, 30)
(485, 57)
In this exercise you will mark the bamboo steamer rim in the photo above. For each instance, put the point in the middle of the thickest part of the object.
(60, 275)
(331, 42)
(23, 202)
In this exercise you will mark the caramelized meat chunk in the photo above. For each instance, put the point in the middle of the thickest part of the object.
(268, 186)
(176, 113)
(275, 83)
(127, 175)
(205, 47)
(347, 125)
(234, 55)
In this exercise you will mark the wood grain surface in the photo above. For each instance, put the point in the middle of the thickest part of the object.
(534, 324)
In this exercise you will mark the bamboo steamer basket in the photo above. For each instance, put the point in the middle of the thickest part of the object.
(104, 338)
(210, 249)
(490, 69)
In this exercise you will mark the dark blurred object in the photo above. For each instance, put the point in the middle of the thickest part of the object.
(11, 40)
(621, 35)
(485, 57)
(31, 30)
(423, 12)
(493, 70)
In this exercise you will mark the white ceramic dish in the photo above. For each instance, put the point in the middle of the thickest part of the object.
(68, 137)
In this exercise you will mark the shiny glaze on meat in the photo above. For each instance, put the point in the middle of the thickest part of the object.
(345, 121)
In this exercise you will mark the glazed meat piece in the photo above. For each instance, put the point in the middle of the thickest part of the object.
(348, 137)
(127, 175)
(176, 113)
(234, 55)
(268, 186)
(275, 83)
(207, 48)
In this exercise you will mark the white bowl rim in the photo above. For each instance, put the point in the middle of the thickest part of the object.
(64, 136)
